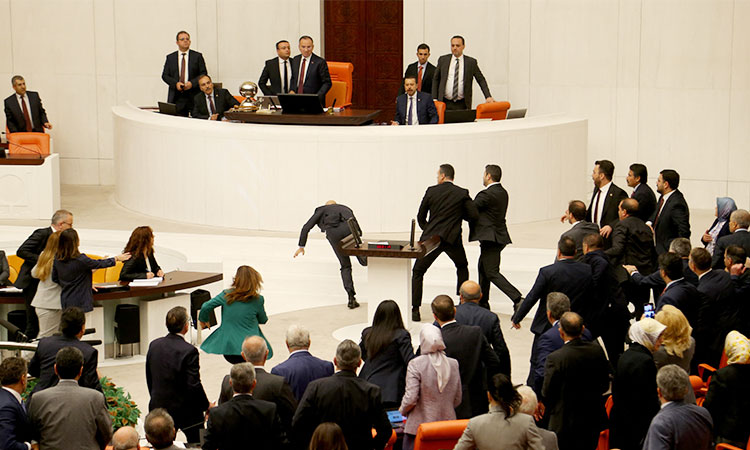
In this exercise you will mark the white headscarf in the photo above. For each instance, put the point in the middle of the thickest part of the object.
(431, 344)
(646, 332)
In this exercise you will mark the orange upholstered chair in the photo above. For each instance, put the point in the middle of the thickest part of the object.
(338, 92)
(35, 143)
(439, 435)
(391, 440)
(99, 275)
(494, 110)
(604, 435)
(239, 98)
(112, 274)
(732, 447)
(342, 71)
(14, 262)
(440, 106)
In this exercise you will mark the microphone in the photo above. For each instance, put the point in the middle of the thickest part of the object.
(32, 150)
(274, 103)
(14, 330)
(89, 331)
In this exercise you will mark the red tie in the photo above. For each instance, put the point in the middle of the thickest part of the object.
(658, 209)
(26, 114)
(596, 206)
(182, 70)
(419, 79)
(301, 84)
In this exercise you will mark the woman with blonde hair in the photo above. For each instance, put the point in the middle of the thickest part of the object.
(242, 312)
(47, 298)
(142, 264)
(678, 346)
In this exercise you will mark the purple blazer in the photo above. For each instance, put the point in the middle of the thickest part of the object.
(422, 401)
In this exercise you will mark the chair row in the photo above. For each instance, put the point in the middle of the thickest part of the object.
(106, 275)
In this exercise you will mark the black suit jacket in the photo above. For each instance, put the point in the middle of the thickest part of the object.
(740, 237)
(548, 342)
(608, 215)
(15, 427)
(135, 267)
(470, 313)
(271, 388)
(633, 244)
(329, 218)
(728, 401)
(447, 205)
(570, 277)
(683, 296)
(674, 221)
(471, 71)
(492, 204)
(426, 111)
(271, 73)
(171, 73)
(605, 290)
(29, 251)
(174, 381)
(317, 81)
(244, 422)
(715, 316)
(14, 119)
(646, 201)
(575, 378)
(42, 365)
(477, 364)
(223, 101)
(577, 232)
(428, 74)
(351, 402)
(387, 369)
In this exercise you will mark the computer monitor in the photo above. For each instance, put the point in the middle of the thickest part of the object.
(516, 113)
(300, 104)
(168, 108)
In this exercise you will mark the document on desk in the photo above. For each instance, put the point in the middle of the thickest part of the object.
(146, 282)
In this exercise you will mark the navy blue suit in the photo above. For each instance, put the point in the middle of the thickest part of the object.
(426, 111)
(317, 80)
(470, 313)
(547, 343)
(740, 237)
(15, 428)
(714, 316)
(683, 296)
(300, 369)
(42, 364)
(674, 221)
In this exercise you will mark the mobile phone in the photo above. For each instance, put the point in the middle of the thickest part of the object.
(648, 310)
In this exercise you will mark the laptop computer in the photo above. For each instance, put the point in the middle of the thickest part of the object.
(168, 108)
(460, 116)
(300, 104)
(516, 113)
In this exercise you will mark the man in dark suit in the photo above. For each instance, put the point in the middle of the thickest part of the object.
(301, 367)
(575, 378)
(310, 71)
(42, 365)
(477, 363)
(15, 428)
(454, 76)
(681, 247)
(678, 293)
(271, 388)
(29, 251)
(492, 233)
(469, 312)
(566, 275)
(605, 199)
(24, 111)
(422, 70)
(181, 71)
(739, 221)
(211, 103)
(173, 376)
(345, 399)
(332, 219)
(244, 419)
(638, 179)
(575, 215)
(448, 205)
(413, 107)
(671, 219)
(277, 71)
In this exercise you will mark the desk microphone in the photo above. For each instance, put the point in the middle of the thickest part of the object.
(14, 330)
(32, 150)
(274, 103)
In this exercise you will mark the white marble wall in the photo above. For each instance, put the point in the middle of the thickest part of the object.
(86, 56)
(663, 82)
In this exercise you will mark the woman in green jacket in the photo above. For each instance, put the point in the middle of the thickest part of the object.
(242, 312)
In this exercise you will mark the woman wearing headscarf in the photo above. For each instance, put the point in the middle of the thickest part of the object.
(728, 397)
(725, 206)
(433, 385)
(634, 398)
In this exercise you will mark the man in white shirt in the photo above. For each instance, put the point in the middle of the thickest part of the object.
(414, 107)
(277, 71)
(309, 71)
(453, 78)
(211, 103)
(24, 111)
(181, 71)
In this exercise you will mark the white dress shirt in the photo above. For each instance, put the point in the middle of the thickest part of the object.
(413, 100)
(602, 198)
(28, 106)
(449, 80)
(288, 73)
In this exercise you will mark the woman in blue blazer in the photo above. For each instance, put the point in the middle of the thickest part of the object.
(242, 312)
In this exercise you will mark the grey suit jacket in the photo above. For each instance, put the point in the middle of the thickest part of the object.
(471, 71)
(680, 426)
(578, 232)
(70, 416)
(492, 430)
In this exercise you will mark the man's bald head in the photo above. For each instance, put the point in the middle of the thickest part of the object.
(125, 438)
(255, 350)
(470, 292)
(330, 202)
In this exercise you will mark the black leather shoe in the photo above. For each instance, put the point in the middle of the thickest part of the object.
(362, 260)
(415, 316)
(352, 303)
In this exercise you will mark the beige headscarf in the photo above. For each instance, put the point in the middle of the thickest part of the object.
(646, 332)
(431, 344)
(737, 348)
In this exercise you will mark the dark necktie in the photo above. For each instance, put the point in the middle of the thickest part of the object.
(182, 70)
(408, 120)
(301, 83)
(419, 79)
(658, 209)
(286, 79)
(596, 206)
(455, 81)
(211, 101)
(26, 114)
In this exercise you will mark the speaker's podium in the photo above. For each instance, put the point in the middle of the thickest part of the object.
(388, 270)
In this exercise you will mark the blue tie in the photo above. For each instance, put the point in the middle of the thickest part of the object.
(408, 115)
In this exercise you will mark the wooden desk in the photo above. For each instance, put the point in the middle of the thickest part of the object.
(22, 160)
(347, 117)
